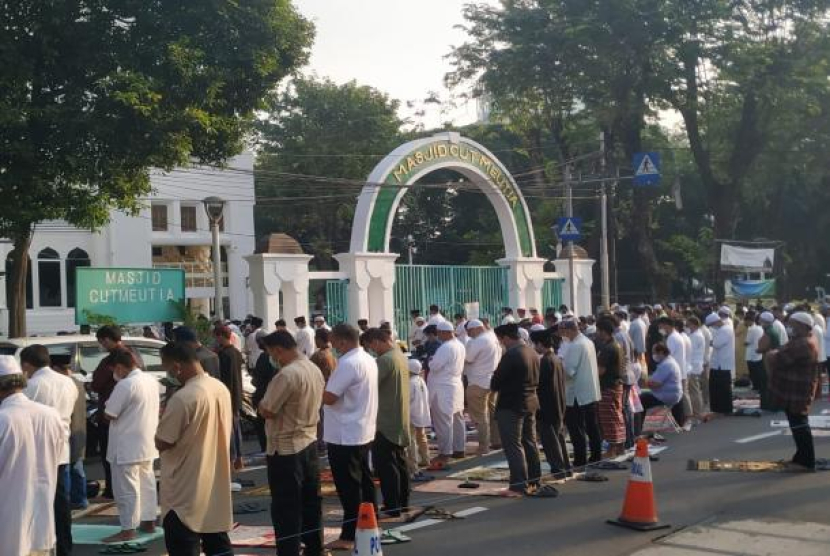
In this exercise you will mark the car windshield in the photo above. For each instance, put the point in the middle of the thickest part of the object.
(150, 355)
(91, 355)
(8, 349)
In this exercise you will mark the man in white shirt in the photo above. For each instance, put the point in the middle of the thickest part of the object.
(350, 424)
(637, 332)
(723, 363)
(446, 397)
(416, 331)
(754, 360)
(304, 337)
(252, 349)
(461, 328)
(435, 316)
(582, 393)
(320, 322)
(698, 379)
(32, 437)
(507, 316)
(780, 317)
(133, 412)
(59, 392)
(482, 356)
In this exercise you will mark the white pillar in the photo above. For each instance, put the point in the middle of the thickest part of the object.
(237, 277)
(272, 273)
(526, 278)
(371, 283)
(584, 275)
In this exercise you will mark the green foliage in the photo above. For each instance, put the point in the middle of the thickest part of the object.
(98, 319)
(195, 321)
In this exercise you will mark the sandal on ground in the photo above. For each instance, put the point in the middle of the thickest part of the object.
(391, 536)
(438, 466)
(248, 508)
(611, 466)
(591, 477)
(124, 548)
(545, 491)
(440, 513)
(507, 493)
(340, 545)
(421, 478)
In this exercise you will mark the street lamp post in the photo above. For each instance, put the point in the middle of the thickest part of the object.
(214, 206)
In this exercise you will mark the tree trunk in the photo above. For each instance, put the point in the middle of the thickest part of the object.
(16, 282)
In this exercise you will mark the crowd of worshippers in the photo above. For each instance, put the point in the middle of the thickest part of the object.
(369, 401)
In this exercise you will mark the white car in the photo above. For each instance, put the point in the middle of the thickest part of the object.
(85, 352)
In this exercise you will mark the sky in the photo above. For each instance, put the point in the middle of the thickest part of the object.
(395, 46)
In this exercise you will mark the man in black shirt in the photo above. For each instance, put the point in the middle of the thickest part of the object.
(207, 358)
(516, 380)
(551, 415)
(230, 370)
(611, 375)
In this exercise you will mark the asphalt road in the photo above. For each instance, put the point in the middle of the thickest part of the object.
(575, 522)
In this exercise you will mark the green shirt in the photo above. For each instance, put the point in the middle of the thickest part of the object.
(393, 397)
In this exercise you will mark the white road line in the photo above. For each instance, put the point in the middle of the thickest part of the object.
(749, 439)
(429, 522)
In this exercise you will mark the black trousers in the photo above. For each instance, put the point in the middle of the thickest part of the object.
(63, 514)
(103, 443)
(181, 541)
(391, 466)
(805, 453)
(296, 504)
(353, 480)
(628, 414)
(583, 421)
(552, 436)
(720, 391)
(259, 426)
(518, 438)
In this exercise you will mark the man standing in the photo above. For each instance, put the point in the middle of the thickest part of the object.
(207, 358)
(754, 359)
(323, 357)
(59, 392)
(435, 316)
(230, 369)
(792, 384)
(194, 440)
(697, 379)
(446, 393)
(780, 315)
(363, 325)
(392, 436)
(351, 408)
(551, 393)
(611, 375)
(77, 435)
(252, 349)
(109, 337)
(507, 316)
(321, 324)
(291, 408)
(482, 356)
(304, 336)
(264, 370)
(723, 362)
(582, 394)
(133, 412)
(416, 331)
(32, 439)
(516, 380)
(461, 328)
(767, 345)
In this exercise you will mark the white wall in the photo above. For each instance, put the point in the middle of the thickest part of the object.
(127, 240)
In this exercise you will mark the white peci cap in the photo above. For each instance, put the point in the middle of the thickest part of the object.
(444, 326)
(475, 323)
(767, 317)
(712, 319)
(804, 318)
(9, 366)
(414, 367)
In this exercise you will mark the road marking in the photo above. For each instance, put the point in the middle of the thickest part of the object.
(749, 439)
(429, 522)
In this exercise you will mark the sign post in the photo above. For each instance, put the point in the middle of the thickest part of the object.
(646, 169)
(129, 295)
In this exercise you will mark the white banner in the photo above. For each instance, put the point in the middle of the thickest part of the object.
(748, 259)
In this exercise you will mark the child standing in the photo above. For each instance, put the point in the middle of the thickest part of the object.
(419, 419)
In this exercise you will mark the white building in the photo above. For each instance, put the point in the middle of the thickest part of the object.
(171, 231)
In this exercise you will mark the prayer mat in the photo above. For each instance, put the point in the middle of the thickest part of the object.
(92, 510)
(262, 536)
(95, 534)
(816, 422)
(752, 466)
(482, 473)
(112, 511)
(326, 489)
(660, 419)
(449, 486)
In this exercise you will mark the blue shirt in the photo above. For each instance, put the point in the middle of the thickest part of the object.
(668, 374)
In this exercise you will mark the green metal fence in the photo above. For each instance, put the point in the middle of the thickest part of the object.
(552, 293)
(336, 303)
(450, 287)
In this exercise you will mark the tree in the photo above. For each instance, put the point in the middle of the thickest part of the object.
(93, 94)
(316, 127)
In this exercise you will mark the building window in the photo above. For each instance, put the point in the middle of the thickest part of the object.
(29, 289)
(188, 219)
(77, 258)
(159, 213)
(49, 278)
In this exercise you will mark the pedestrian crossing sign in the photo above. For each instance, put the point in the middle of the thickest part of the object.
(646, 168)
(569, 228)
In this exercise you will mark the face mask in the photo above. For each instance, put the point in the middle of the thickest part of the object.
(663, 332)
(658, 358)
(116, 377)
(273, 362)
(688, 330)
(372, 352)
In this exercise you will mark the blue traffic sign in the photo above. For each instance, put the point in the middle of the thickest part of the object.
(646, 168)
(569, 228)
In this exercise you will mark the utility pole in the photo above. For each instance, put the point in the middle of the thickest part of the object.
(410, 247)
(569, 212)
(606, 280)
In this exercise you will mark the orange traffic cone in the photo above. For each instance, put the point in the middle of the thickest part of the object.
(639, 510)
(367, 536)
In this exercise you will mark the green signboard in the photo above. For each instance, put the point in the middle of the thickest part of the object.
(129, 295)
